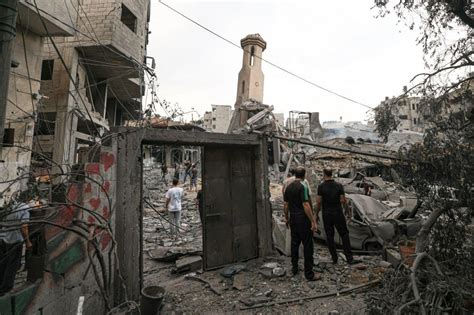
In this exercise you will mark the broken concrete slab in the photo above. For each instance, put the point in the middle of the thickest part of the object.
(240, 282)
(171, 254)
(393, 256)
(188, 264)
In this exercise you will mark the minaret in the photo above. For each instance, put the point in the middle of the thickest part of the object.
(250, 84)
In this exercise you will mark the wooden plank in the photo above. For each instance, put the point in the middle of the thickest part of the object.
(217, 244)
(244, 214)
(128, 232)
(264, 212)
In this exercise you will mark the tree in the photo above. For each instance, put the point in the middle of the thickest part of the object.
(441, 168)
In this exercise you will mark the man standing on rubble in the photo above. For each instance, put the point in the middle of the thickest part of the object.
(332, 198)
(290, 179)
(301, 222)
(173, 205)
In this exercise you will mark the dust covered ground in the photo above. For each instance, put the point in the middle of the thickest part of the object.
(255, 283)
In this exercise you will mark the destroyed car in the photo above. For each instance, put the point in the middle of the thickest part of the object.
(378, 188)
(374, 224)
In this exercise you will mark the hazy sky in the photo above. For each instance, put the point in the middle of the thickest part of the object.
(340, 45)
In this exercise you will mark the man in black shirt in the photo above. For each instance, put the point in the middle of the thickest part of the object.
(331, 196)
(302, 223)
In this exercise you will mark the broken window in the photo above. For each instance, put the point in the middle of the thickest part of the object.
(47, 69)
(403, 116)
(129, 19)
(243, 87)
(8, 137)
(46, 124)
(414, 121)
(252, 53)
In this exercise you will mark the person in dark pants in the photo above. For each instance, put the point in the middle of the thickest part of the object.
(301, 222)
(177, 170)
(200, 203)
(331, 197)
(11, 242)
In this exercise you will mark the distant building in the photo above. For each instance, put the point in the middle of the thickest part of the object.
(207, 121)
(218, 119)
(409, 113)
(414, 112)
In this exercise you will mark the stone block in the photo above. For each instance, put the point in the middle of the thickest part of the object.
(393, 256)
(189, 264)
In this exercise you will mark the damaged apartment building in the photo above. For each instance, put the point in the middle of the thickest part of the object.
(413, 112)
(77, 70)
(20, 115)
(96, 80)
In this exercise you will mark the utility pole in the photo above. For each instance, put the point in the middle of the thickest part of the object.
(8, 14)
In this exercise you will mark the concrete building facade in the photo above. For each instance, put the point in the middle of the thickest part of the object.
(218, 119)
(96, 80)
(409, 113)
(24, 87)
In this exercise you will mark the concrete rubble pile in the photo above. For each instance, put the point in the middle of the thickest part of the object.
(158, 243)
(383, 214)
(177, 266)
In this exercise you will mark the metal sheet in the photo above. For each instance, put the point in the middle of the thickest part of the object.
(243, 204)
(230, 221)
(217, 245)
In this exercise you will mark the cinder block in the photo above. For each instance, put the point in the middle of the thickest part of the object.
(393, 257)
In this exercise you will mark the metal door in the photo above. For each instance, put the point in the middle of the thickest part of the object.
(230, 221)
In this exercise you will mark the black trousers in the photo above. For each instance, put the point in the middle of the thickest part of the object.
(335, 219)
(301, 233)
(10, 262)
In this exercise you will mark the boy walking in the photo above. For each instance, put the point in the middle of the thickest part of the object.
(173, 203)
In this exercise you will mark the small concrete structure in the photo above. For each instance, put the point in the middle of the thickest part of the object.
(237, 222)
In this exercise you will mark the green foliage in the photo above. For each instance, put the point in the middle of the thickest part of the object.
(386, 118)
(441, 168)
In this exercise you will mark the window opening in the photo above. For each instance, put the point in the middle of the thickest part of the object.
(47, 69)
(252, 53)
(129, 19)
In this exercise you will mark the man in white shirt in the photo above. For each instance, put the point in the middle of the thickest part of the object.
(173, 203)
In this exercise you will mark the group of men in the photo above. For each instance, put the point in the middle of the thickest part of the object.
(303, 222)
(189, 169)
